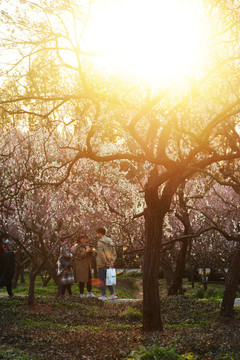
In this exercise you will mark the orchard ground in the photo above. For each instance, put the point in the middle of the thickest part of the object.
(74, 328)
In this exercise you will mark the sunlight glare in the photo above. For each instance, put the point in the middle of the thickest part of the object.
(65, 125)
(154, 40)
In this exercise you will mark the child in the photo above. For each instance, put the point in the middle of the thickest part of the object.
(65, 269)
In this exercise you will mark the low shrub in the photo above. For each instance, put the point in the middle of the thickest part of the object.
(211, 293)
(199, 293)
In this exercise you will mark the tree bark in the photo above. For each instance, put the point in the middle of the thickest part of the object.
(46, 281)
(19, 270)
(168, 272)
(51, 269)
(22, 279)
(52, 272)
(151, 303)
(16, 277)
(183, 216)
(154, 216)
(31, 290)
(227, 306)
(176, 285)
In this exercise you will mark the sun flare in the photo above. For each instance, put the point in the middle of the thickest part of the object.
(152, 40)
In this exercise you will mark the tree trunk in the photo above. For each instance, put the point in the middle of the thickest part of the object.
(154, 216)
(16, 277)
(167, 270)
(51, 269)
(183, 216)
(22, 279)
(52, 272)
(176, 285)
(31, 290)
(46, 281)
(34, 271)
(194, 275)
(151, 302)
(227, 306)
(18, 272)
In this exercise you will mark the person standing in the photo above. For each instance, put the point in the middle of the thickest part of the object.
(82, 268)
(7, 265)
(106, 256)
(65, 269)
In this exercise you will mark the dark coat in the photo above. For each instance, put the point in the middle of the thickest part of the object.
(3, 249)
(82, 264)
(7, 267)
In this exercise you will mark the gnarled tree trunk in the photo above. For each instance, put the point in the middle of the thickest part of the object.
(168, 272)
(176, 285)
(53, 273)
(154, 216)
(227, 306)
(31, 289)
(151, 303)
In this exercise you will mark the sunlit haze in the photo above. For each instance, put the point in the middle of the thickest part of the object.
(151, 40)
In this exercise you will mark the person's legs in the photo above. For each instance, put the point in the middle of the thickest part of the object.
(69, 288)
(89, 283)
(81, 287)
(112, 292)
(63, 288)
(111, 289)
(102, 278)
(9, 287)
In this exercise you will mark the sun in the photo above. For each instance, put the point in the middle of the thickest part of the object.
(160, 41)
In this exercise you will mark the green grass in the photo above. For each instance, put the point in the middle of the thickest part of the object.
(53, 326)
(214, 291)
(125, 288)
(190, 324)
(73, 328)
(7, 352)
(133, 314)
(158, 353)
(228, 356)
(186, 311)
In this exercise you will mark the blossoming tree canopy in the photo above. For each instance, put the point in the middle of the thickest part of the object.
(154, 84)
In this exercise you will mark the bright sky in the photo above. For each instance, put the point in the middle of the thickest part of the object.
(152, 40)
(155, 41)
